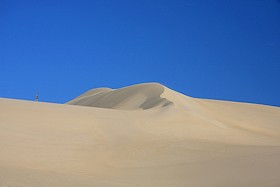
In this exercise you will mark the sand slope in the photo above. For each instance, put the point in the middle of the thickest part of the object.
(142, 135)
(141, 96)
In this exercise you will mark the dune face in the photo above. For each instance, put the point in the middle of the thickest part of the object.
(142, 96)
(141, 135)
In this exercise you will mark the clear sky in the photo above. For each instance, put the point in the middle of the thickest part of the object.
(220, 49)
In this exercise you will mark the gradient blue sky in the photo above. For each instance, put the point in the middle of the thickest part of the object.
(221, 49)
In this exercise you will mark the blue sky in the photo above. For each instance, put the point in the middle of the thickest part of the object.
(228, 50)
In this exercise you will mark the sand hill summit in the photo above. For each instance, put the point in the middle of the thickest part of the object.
(141, 96)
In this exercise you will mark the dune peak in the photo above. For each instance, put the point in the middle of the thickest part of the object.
(136, 97)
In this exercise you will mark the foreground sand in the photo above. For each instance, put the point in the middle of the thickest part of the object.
(144, 135)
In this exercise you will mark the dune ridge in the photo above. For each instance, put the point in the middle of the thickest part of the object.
(142, 96)
(141, 135)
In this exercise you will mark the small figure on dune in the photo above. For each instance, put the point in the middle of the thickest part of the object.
(37, 98)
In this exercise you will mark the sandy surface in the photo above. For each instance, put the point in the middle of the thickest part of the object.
(142, 135)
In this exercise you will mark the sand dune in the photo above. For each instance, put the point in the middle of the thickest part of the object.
(142, 96)
(141, 135)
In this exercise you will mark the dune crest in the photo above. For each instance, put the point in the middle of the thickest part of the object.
(141, 96)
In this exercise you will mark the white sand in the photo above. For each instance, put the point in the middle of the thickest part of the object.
(144, 135)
